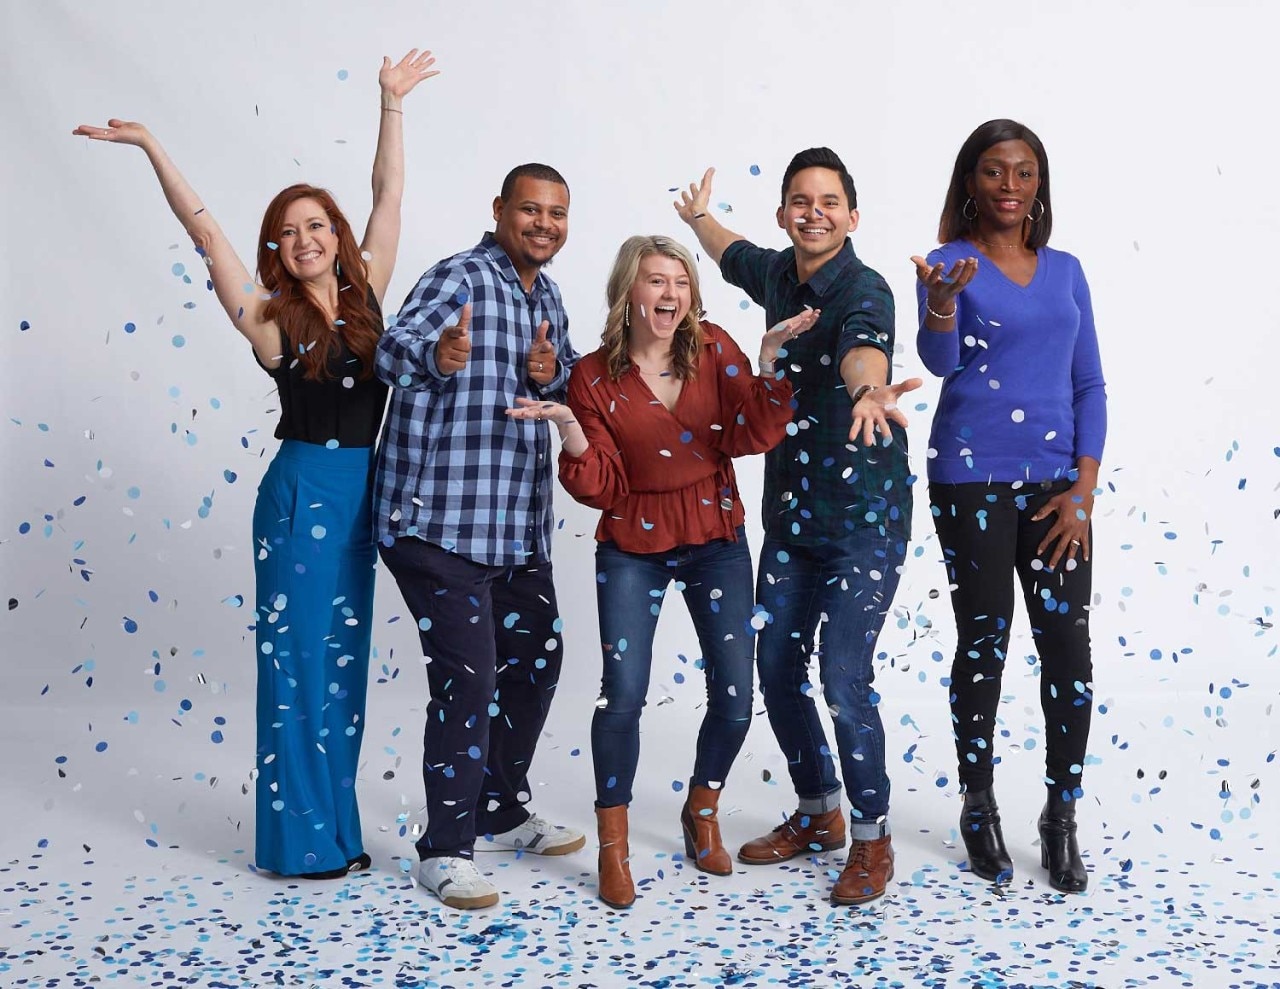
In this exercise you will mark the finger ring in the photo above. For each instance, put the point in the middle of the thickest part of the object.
(1075, 542)
(539, 365)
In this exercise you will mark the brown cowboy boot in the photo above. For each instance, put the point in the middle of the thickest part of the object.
(867, 873)
(702, 832)
(799, 834)
(616, 887)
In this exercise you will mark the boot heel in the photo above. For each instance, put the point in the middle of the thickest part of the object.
(690, 849)
(1044, 854)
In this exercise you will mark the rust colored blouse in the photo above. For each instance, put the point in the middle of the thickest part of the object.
(665, 478)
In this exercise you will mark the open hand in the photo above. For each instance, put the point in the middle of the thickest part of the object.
(943, 286)
(782, 333)
(117, 132)
(537, 410)
(399, 79)
(877, 408)
(1070, 532)
(696, 200)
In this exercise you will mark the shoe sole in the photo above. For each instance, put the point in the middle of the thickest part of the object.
(853, 901)
(828, 846)
(470, 902)
(565, 849)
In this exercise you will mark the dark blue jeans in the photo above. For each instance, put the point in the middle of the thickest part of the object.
(492, 637)
(846, 587)
(715, 579)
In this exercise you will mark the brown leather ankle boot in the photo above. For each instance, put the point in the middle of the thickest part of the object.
(616, 887)
(702, 832)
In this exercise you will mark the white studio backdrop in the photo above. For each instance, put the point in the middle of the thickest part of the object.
(131, 457)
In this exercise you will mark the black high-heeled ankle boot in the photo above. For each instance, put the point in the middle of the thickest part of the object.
(1059, 852)
(980, 828)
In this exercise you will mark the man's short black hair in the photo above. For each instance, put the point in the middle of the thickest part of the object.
(820, 158)
(531, 170)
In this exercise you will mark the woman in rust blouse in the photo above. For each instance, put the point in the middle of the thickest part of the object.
(653, 420)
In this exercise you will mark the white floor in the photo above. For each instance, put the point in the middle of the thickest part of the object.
(133, 865)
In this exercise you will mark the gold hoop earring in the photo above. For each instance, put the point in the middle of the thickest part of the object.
(1036, 219)
(964, 209)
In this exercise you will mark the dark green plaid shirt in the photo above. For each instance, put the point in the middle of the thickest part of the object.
(817, 485)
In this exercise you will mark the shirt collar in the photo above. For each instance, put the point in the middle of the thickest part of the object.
(826, 276)
(489, 244)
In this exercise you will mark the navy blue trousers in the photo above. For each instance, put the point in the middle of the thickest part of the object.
(491, 638)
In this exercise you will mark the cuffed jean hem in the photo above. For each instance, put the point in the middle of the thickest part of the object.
(869, 830)
(823, 804)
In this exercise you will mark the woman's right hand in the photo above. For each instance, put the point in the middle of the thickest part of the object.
(941, 285)
(117, 132)
(538, 409)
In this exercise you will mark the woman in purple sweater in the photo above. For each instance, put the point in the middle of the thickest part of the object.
(1013, 467)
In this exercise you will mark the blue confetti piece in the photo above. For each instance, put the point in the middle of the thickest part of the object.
(754, 169)
(342, 75)
(179, 340)
(130, 327)
(229, 476)
(744, 305)
(24, 326)
(130, 625)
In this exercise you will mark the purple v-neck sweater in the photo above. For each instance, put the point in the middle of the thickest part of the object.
(1023, 395)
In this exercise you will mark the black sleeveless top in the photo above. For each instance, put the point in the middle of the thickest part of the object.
(344, 407)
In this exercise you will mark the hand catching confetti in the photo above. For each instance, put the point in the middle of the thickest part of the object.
(776, 339)
(876, 408)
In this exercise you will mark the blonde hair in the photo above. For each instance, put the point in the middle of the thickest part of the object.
(688, 339)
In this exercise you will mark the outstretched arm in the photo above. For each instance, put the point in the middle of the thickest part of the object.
(382, 235)
(694, 210)
(234, 286)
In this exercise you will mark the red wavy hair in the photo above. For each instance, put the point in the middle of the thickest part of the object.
(304, 327)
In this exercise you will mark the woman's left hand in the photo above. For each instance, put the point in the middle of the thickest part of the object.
(399, 79)
(1070, 532)
(781, 334)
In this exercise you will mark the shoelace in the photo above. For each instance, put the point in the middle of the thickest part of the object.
(464, 872)
(860, 856)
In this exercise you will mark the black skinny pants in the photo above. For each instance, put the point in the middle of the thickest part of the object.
(987, 535)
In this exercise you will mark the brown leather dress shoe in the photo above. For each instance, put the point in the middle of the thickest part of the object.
(867, 873)
(799, 834)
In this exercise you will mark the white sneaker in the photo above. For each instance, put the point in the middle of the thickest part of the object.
(537, 836)
(457, 882)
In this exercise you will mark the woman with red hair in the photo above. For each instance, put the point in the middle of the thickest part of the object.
(313, 320)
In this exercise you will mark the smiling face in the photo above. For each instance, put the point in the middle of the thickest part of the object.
(1003, 186)
(816, 215)
(660, 298)
(308, 241)
(532, 223)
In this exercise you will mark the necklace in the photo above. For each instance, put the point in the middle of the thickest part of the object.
(1007, 247)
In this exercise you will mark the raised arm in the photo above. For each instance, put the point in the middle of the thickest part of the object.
(694, 209)
(234, 286)
(382, 235)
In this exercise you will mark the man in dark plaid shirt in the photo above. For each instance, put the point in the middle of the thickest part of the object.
(462, 509)
(837, 513)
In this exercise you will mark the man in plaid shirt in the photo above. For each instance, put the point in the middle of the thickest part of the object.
(462, 510)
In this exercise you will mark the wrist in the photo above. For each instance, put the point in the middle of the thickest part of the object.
(945, 309)
(390, 101)
(861, 392)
